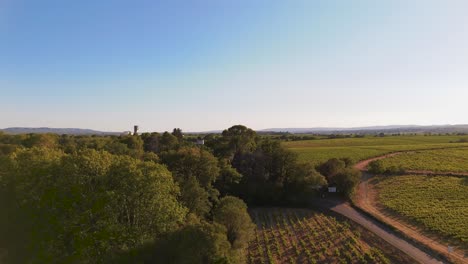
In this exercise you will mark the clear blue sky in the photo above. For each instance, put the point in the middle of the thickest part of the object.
(209, 64)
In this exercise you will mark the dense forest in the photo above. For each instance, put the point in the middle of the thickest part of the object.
(149, 198)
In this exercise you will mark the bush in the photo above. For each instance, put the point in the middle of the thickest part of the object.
(377, 167)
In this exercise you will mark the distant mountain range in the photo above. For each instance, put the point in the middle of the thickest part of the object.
(314, 130)
(60, 131)
(375, 129)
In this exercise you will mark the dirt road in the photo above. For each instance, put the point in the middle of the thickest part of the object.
(366, 200)
(346, 210)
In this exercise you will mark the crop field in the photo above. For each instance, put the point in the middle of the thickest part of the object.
(317, 151)
(437, 203)
(305, 236)
(441, 160)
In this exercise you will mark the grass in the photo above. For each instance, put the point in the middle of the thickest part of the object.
(436, 203)
(317, 151)
(442, 160)
(305, 236)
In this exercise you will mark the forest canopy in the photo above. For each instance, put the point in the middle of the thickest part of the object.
(141, 198)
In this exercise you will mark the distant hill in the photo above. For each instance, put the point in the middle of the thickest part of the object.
(393, 129)
(375, 129)
(60, 131)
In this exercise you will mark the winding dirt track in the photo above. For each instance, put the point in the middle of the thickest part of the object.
(370, 224)
(365, 199)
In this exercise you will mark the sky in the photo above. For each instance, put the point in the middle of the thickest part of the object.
(210, 64)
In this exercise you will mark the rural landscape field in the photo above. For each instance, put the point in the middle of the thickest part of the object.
(357, 149)
(438, 203)
(442, 160)
(433, 203)
(233, 132)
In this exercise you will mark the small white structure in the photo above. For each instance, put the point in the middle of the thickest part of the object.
(332, 189)
(200, 142)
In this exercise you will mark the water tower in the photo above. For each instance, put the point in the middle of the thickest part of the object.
(135, 130)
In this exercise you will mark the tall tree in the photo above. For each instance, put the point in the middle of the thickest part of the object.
(195, 170)
(177, 132)
(237, 139)
(231, 212)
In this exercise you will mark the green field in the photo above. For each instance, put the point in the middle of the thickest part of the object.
(438, 203)
(441, 160)
(317, 151)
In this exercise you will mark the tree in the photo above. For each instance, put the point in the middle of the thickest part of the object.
(228, 178)
(134, 144)
(237, 139)
(346, 180)
(231, 212)
(195, 197)
(340, 172)
(198, 243)
(177, 132)
(376, 167)
(302, 184)
(192, 161)
(41, 140)
(168, 142)
(7, 149)
(331, 167)
(195, 170)
(151, 142)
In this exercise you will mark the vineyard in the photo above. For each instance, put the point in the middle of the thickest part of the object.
(305, 236)
(441, 160)
(438, 203)
(317, 151)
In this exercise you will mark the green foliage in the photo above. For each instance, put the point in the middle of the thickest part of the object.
(195, 197)
(346, 180)
(228, 177)
(378, 167)
(195, 170)
(195, 243)
(441, 160)
(319, 151)
(196, 162)
(82, 207)
(177, 132)
(231, 212)
(331, 167)
(272, 175)
(341, 174)
(41, 140)
(168, 142)
(134, 144)
(151, 142)
(7, 149)
(302, 184)
(235, 140)
(437, 203)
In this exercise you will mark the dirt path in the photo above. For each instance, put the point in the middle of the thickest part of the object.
(366, 200)
(346, 210)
